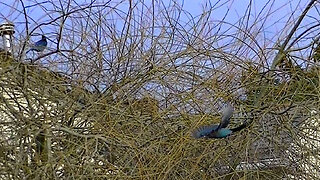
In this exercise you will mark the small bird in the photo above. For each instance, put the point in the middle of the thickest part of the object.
(219, 131)
(40, 45)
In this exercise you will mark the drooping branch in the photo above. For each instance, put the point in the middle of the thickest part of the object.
(279, 57)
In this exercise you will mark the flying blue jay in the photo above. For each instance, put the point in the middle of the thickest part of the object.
(218, 131)
(40, 45)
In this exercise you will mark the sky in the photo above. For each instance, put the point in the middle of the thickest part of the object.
(271, 16)
(278, 13)
(12, 10)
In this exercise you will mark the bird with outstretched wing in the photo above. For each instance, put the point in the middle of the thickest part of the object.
(221, 130)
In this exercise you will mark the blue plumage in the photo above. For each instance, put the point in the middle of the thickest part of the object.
(40, 45)
(218, 131)
(204, 131)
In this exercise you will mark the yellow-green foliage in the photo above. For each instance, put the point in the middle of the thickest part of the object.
(67, 131)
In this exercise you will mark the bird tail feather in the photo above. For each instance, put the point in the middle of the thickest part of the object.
(242, 126)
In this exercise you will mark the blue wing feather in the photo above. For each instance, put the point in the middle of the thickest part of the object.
(39, 45)
(220, 133)
(204, 131)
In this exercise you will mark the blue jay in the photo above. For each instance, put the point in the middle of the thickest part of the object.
(218, 131)
(40, 45)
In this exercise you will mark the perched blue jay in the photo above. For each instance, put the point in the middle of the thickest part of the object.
(40, 45)
(218, 131)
